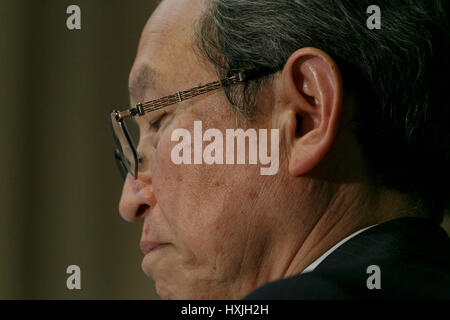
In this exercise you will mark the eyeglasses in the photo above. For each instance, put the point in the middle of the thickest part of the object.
(126, 156)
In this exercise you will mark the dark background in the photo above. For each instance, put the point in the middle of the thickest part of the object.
(59, 187)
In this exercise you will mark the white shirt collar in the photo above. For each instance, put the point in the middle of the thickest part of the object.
(313, 265)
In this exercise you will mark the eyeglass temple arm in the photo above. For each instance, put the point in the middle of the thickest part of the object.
(120, 115)
(239, 77)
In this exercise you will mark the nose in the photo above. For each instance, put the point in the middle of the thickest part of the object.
(137, 198)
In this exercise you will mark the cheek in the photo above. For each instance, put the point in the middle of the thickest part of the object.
(197, 206)
(183, 188)
(177, 190)
(206, 207)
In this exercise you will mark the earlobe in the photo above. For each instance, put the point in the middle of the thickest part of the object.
(312, 95)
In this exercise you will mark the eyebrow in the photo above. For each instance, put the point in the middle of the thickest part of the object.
(141, 81)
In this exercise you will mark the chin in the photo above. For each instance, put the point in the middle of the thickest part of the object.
(163, 292)
(171, 291)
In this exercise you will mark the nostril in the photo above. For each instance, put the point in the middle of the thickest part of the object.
(142, 208)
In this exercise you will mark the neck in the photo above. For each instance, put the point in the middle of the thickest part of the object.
(352, 208)
(322, 222)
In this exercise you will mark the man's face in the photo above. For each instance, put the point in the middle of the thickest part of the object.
(210, 218)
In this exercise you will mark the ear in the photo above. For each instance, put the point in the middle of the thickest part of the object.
(310, 105)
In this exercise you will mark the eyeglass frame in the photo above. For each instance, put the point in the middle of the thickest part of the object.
(147, 107)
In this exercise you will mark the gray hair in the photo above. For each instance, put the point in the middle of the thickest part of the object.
(399, 73)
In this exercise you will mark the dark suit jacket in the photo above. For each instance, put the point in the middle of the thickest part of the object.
(413, 255)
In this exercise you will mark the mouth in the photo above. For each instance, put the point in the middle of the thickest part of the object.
(151, 246)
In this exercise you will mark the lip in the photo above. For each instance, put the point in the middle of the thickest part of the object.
(149, 246)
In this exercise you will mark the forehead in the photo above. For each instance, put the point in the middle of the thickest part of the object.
(166, 48)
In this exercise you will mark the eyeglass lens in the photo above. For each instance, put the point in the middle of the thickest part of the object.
(125, 152)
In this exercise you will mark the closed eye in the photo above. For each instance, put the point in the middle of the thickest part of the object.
(157, 123)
